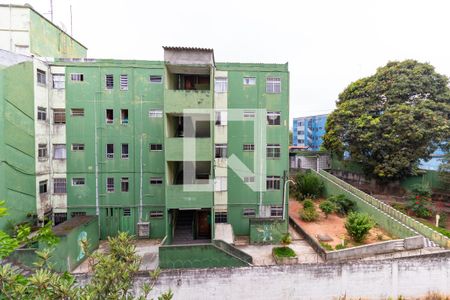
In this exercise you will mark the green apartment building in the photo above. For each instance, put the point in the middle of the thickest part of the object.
(173, 149)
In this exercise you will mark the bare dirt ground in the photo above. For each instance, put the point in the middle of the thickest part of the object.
(333, 226)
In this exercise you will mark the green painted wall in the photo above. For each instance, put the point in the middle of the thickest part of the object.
(267, 231)
(17, 162)
(47, 40)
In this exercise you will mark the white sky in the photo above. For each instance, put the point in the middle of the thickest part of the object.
(328, 43)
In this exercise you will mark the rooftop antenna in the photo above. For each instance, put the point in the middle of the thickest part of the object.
(51, 10)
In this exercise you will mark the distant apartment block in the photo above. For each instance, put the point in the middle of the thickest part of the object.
(308, 131)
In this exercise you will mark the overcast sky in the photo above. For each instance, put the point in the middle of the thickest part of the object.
(328, 44)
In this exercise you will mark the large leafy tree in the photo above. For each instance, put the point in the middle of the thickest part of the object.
(390, 120)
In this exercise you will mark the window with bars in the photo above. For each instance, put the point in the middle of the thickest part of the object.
(221, 85)
(249, 114)
(109, 113)
(249, 80)
(77, 112)
(248, 147)
(221, 217)
(127, 212)
(273, 182)
(41, 77)
(78, 213)
(59, 186)
(273, 85)
(156, 147)
(124, 184)
(276, 211)
(42, 151)
(155, 79)
(110, 184)
(59, 81)
(76, 181)
(249, 179)
(43, 187)
(155, 113)
(156, 214)
(156, 180)
(77, 147)
(273, 118)
(124, 116)
(124, 151)
(41, 113)
(221, 150)
(109, 81)
(59, 116)
(109, 151)
(59, 151)
(59, 218)
(77, 77)
(124, 82)
(273, 150)
(249, 212)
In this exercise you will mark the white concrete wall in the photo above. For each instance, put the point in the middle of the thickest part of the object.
(15, 29)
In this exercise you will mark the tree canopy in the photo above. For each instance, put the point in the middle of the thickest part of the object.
(392, 119)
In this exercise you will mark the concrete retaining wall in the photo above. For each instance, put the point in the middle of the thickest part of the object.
(409, 277)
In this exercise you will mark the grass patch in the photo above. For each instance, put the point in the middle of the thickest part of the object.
(326, 246)
(441, 230)
(283, 252)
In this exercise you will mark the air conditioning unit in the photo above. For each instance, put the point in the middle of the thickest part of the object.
(143, 230)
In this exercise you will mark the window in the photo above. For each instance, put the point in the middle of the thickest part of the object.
(249, 212)
(41, 77)
(221, 85)
(276, 211)
(124, 82)
(221, 151)
(220, 184)
(77, 77)
(221, 118)
(109, 116)
(221, 217)
(273, 85)
(59, 116)
(124, 116)
(59, 186)
(156, 214)
(249, 179)
(77, 147)
(59, 151)
(42, 152)
(273, 118)
(78, 213)
(124, 151)
(273, 182)
(109, 81)
(124, 184)
(249, 114)
(301, 141)
(126, 212)
(249, 80)
(155, 113)
(110, 184)
(43, 187)
(273, 150)
(248, 147)
(77, 112)
(78, 181)
(41, 113)
(301, 132)
(155, 147)
(109, 151)
(156, 180)
(155, 79)
(59, 81)
(59, 218)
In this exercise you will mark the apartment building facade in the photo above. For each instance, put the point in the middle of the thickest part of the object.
(308, 131)
(160, 149)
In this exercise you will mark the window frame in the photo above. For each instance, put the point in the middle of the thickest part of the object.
(271, 151)
(155, 214)
(273, 85)
(221, 150)
(59, 186)
(221, 84)
(109, 82)
(77, 145)
(152, 77)
(60, 115)
(76, 180)
(109, 155)
(122, 154)
(273, 183)
(41, 77)
(249, 212)
(77, 77)
(124, 121)
(273, 121)
(221, 217)
(248, 147)
(123, 82)
(43, 184)
(42, 152)
(155, 113)
(108, 120)
(124, 182)
(249, 114)
(41, 113)
(110, 185)
(156, 181)
(276, 211)
(56, 84)
(156, 146)
(77, 112)
(59, 146)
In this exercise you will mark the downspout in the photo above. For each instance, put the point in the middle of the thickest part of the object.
(140, 155)
(50, 148)
(97, 209)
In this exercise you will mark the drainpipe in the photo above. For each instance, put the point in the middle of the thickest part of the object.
(140, 155)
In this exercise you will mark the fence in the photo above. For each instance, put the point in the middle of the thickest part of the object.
(424, 230)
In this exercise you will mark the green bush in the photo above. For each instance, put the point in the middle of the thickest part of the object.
(327, 207)
(309, 214)
(308, 204)
(343, 204)
(307, 185)
(358, 225)
(326, 246)
(340, 247)
(283, 252)
(420, 201)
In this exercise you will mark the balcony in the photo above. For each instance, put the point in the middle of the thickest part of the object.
(175, 101)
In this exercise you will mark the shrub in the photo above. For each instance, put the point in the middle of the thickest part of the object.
(358, 225)
(326, 246)
(286, 240)
(420, 201)
(443, 220)
(309, 214)
(308, 204)
(307, 185)
(327, 207)
(283, 252)
(340, 246)
(343, 204)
